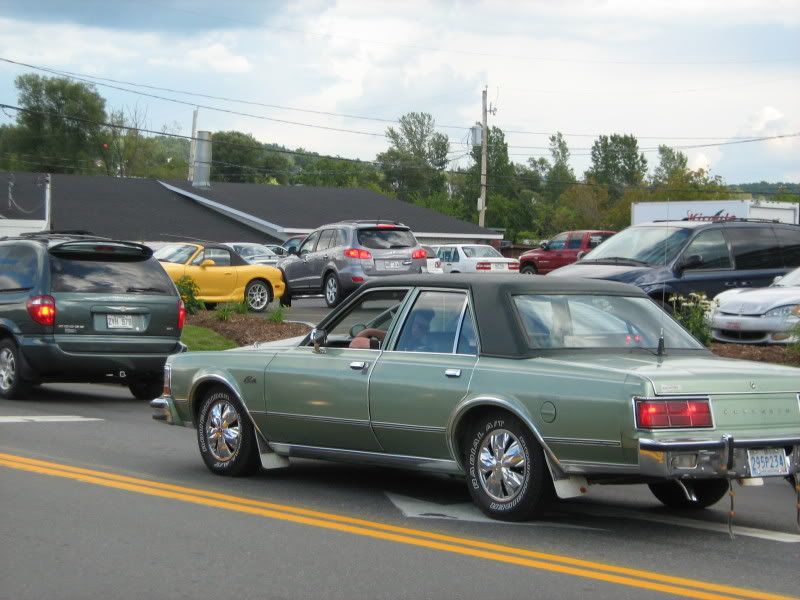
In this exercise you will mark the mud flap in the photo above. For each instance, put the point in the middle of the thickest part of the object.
(269, 460)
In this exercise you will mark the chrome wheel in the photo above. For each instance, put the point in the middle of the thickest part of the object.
(223, 430)
(331, 290)
(257, 296)
(8, 369)
(502, 466)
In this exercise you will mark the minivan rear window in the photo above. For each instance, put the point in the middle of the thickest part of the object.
(73, 274)
(385, 238)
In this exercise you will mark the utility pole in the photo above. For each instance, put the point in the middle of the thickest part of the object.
(192, 145)
(484, 144)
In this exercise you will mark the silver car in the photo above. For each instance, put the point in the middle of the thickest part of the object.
(336, 259)
(255, 254)
(768, 315)
(475, 258)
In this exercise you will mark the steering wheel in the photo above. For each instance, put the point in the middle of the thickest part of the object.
(370, 333)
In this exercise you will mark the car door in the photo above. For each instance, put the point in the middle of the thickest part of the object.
(756, 255)
(296, 268)
(320, 398)
(319, 258)
(216, 281)
(423, 374)
(451, 260)
(574, 244)
(715, 272)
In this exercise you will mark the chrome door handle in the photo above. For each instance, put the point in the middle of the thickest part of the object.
(452, 372)
(358, 365)
(730, 284)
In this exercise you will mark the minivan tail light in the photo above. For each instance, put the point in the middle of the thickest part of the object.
(419, 253)
(673, 414)
(483, 266)
(42, 309)
(181, 315)
(358, 253)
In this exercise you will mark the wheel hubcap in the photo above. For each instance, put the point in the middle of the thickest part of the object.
(223, 430)
(8, 368)
(331, 290)
(257, 296)
(501, 465)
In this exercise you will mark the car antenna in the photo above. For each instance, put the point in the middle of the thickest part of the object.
(660, 350)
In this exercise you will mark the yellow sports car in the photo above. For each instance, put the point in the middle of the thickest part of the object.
(221, 274)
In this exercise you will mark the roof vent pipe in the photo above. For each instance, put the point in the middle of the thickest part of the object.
(202, 160)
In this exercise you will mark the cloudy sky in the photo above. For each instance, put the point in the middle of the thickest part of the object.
(683, 73)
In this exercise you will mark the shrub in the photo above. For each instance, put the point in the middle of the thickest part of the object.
(189, 290)
(276, 315)
(694, 314)
(224, 311)
(240, 308)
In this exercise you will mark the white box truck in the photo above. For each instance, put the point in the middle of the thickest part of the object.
(714, 210)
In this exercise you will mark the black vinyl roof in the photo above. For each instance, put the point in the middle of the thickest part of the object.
(499, 332)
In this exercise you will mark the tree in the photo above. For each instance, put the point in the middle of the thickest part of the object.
(559, 175)
(56, 143)
(581, 207)
(672, 166)
(417, 156)
(617, 162)
(236, 157)
(333, 172)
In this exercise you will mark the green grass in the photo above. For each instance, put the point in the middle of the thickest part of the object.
(200, 339)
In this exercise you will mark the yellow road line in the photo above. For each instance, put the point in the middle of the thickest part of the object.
(392, 533)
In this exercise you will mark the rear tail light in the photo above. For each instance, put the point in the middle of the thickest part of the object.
(513, 266)
(358, 253)
(42, 309)
(673, 414)
(181, 314)
(419, 253)
(483, 266)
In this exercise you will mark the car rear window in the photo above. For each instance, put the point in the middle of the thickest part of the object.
(385, 238)
(85, 275)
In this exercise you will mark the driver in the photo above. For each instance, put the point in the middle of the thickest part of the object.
(416, 338)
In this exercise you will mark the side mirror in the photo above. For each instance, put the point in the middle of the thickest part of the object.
(318, 337)
(777, 279)
(292, 250)
(545, 244)
(692, 262)
(356, 329)
(207, 262)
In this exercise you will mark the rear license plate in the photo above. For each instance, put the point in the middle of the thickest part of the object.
(764, 463)
(119, 321)
(498, 266)
(391, 265)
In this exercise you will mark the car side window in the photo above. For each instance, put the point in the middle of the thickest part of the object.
(789, 238)
(712, 248)
(221, 258)
(373, 310)
(325, 239)
(574, 241)
(18, 268)
(558, 242)
(468, 336)
(754, 248)
(444, 254)
(432, 324)
(598, 238)
(309, 244)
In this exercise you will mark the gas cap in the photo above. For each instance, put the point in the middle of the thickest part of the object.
(548, 412)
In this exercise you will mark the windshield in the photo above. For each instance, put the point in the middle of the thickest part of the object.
(588, 321)
(480, 252)
(175, 253)
(381, 238)
(250, 250)
(649, 245)
(791, 279)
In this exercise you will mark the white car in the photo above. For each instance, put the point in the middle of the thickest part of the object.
(255, 254)
(433, 264)
(475, 258)
(759, 315)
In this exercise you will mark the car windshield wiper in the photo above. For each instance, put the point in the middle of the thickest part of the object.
(617, 260)
(146, 289)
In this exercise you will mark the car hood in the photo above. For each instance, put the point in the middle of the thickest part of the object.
(291, 342)
(623, 273)
(693, 374)
(748, 301)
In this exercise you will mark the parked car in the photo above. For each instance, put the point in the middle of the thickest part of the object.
(255, 254)
(488, 377)
(293, 243)
(336, 259)
(432, 262)
(276, 249)
(222, 274)
(564, 249)
(759, 316)
(475, 258)
(85, 309)
(672, 258)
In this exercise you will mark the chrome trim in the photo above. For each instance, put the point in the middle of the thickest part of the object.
(706, 444)
(586, 467)
(234, 390)
(584, 442)
(460, 323)
(364, 457)
(318, 418)
(407, 427)
(674, 397)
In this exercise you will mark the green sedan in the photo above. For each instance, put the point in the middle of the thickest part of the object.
(530, 387)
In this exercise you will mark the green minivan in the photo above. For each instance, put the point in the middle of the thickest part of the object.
(80, 308)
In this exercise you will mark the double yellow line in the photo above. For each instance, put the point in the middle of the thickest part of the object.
(679, 586)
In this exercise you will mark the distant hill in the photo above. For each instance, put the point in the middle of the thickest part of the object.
(766, 188)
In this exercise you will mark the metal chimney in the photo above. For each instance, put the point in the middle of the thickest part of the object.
(202, 160)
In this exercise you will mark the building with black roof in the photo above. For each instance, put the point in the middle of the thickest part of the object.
(151, 210)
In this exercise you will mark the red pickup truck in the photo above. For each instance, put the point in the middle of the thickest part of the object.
(562, 250)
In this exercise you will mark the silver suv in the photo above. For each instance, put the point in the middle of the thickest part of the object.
(337, 258)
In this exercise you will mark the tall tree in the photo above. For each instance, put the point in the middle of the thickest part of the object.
(45, 133)
(559, 175)
(672, 166)
(617, 162)
(414, 164)
(236, 157)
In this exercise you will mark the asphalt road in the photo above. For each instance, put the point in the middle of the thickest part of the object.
(123, 507)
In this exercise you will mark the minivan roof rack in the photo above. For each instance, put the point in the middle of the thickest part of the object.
(712, 219)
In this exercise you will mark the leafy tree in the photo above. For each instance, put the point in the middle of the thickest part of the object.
(417, 156)
(580, 207)
(58, 144)
(559, 175)
(340, 173)
(236, 157)
(278, 167)
(617, 162)
(671, 166)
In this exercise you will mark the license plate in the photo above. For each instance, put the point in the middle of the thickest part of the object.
(735, 325)
(390, 265)
(119, 321)
(498, 266)
(764, 463)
